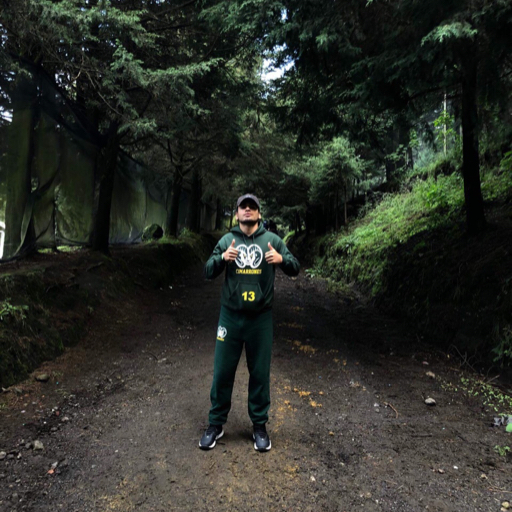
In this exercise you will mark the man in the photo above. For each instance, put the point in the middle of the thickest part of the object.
(249, 254)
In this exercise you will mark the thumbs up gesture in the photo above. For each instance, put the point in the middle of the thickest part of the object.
(272, 256)
(230, 254)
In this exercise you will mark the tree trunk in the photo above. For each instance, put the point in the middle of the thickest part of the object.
(219, 216)
(194, 207)
(336, 210)
(475, 216)
(298, 225)
(410, 160)
(309, 219)
(445, 128)
(171, 228)
(19, 227)
(320, 216)
(389, 170)
(106, 166)
(345, 206)
(231, 216)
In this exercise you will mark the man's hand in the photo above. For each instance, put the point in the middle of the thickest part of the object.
(230, 253)
(273, 257)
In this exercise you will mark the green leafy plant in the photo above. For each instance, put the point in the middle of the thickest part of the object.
(502, 451)
(311, 272)
(491, 396)
(503, 349)
(498, 184)
(8, 310)
(288, 236)
(445, 133)
(506, 162)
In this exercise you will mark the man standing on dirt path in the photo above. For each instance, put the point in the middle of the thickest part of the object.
(249, 254)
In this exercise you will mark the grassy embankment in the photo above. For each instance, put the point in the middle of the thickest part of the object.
(410, 253)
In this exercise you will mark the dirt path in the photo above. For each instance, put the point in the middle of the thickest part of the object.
(122, 415)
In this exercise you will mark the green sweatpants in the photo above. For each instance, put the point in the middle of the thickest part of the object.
(236, 329)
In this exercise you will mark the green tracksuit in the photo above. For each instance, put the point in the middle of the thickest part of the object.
(245, 319)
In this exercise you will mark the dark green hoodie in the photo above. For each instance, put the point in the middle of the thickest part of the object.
(249, 282)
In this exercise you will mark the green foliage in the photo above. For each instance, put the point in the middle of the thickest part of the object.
(445, 131)
(506, 162)
(502, 451)
(288, 236)
(490, 396)
(334, 169)
(9, 311)
(185, 235)
(423, 205)
(444, 194)
(367, 72)
(503, 348)
(362, 254)
(311, 272)
(454, 31)
(496, 185)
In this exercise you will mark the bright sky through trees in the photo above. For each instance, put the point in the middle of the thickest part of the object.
(269, 73)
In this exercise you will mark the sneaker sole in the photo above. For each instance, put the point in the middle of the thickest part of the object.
(263, 449)
(213, 444)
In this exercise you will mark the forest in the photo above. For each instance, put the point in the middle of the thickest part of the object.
(386, 126)
(377, 135)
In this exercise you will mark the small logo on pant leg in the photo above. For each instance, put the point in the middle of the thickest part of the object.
(221, 333)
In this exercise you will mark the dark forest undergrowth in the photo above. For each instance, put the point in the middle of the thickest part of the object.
(49, 298)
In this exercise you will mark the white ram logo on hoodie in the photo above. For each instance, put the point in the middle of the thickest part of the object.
(249, 256)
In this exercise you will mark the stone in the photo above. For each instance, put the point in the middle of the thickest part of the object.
(3, 455)
(42, 377)
(153, 232)
(430, 401)
(38, 446)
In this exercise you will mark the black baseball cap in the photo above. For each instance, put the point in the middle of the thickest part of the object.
(250, 197)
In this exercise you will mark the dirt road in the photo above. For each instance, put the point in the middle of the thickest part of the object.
(121, 416)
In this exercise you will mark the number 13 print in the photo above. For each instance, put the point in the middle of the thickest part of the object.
(249, 296)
